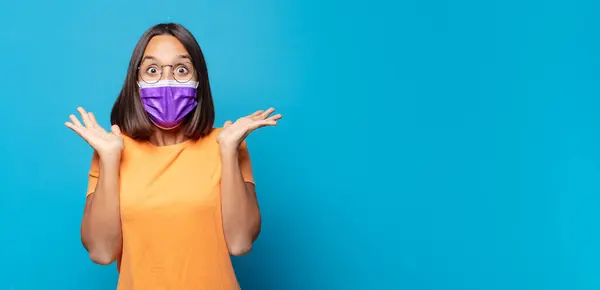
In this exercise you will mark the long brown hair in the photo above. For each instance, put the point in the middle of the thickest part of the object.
(128, 111)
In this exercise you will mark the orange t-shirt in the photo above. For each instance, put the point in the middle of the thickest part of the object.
(171, 215)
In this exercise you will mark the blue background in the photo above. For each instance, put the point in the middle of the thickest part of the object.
(425, 144)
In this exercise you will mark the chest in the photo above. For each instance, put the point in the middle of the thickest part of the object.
(173, 181)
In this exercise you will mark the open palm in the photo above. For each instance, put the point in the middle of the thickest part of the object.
(105, 143)
(234, 133)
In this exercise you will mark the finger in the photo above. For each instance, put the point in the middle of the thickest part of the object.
(257, 113)
(84, 117)
(275, 117)
(267, 113)
(265, 123)
(227, 123)
(70, 125)
(75, 120)
(270, 123)
(77, 129)
(115, 130)
(93, 121)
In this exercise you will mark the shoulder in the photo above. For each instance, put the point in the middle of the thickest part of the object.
(131, 144)
(214, 133)
(212, 137)
(127, 140)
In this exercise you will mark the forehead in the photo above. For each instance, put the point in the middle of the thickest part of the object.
(164, 48)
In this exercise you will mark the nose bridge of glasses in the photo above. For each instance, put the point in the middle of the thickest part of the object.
(169, 75)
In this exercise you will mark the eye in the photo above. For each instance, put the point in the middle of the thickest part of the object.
(182, 70)
(152, 70)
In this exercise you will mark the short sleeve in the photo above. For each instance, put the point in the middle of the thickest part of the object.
(93, 174)
(245, 164)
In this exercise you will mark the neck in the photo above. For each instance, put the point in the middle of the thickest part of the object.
(167, 137)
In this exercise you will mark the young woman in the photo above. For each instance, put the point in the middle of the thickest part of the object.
(169, 197)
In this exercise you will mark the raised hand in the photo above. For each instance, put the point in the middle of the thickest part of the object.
(106, 144)
(234, 133)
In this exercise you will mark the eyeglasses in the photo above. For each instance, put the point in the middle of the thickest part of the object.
(151, 72)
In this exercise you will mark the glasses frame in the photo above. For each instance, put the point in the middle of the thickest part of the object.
(193, 71)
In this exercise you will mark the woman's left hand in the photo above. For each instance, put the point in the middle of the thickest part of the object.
(234, 133)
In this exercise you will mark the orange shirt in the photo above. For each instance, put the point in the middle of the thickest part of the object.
(171, 215)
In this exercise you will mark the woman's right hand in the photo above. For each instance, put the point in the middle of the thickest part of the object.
(106, 144)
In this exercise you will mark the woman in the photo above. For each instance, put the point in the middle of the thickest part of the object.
(169, 197)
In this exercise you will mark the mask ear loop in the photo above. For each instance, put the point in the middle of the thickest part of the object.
(138, 75)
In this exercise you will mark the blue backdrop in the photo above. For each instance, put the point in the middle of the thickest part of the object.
(425, 144)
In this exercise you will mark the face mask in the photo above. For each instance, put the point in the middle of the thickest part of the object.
(168, 102)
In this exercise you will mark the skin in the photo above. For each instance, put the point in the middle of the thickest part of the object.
(101, 224)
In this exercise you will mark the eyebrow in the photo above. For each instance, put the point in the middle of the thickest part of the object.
(148, 57)
(186, 56)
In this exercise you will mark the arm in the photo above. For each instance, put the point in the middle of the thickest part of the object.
(101, 224)
(241, 214)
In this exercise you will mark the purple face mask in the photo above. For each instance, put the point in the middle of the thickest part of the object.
(168, 102)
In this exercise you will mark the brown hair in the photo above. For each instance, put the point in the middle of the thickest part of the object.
(128, 111)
